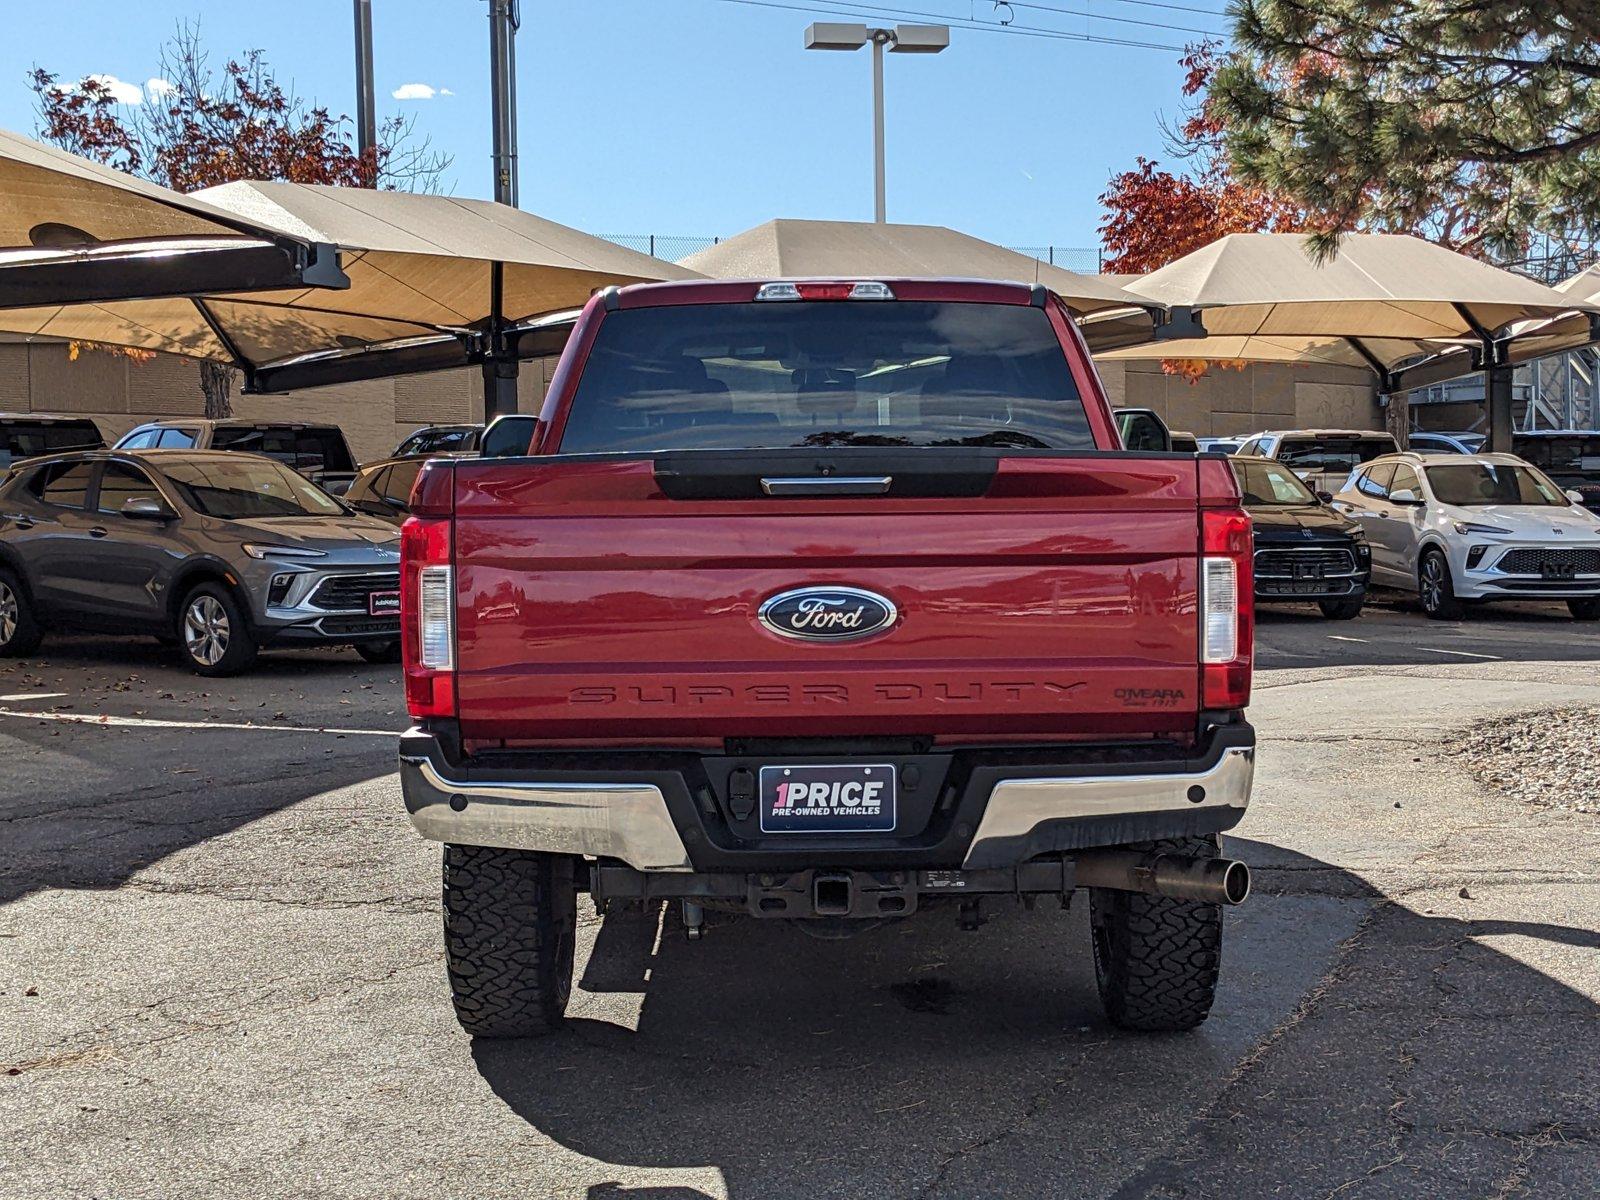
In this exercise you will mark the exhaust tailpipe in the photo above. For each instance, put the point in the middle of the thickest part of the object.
(1208, 880)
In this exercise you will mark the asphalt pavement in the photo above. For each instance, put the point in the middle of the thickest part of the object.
(220, 971)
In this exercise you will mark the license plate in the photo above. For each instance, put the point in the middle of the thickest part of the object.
(383, 604)
(828, 799)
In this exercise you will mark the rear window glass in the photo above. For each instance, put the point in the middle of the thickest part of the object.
(1571, 455)
(1331, 454)
(302, 449)
(818, 373)
(64, 483)
(25, 439)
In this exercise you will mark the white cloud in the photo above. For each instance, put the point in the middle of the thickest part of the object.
(415, 91)
(446, 92)
(156, 88)
(121, 91)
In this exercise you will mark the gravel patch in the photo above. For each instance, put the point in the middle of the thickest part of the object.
(1550, 758)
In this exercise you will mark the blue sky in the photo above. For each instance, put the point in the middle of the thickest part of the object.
(702, 117)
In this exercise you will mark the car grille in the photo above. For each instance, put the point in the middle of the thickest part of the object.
(1535, 561)
(349, 593)
(1304, 562)
(353, 626)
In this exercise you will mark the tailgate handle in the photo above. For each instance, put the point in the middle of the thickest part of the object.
(826, 485)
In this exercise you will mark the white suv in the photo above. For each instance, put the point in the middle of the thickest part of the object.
(1457, 527)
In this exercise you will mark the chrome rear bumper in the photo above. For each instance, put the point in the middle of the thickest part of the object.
(1022, 816)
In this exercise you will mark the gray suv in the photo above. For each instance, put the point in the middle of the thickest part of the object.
(220, 552)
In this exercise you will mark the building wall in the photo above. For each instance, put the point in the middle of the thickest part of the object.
(120, 392)
(1262, 396)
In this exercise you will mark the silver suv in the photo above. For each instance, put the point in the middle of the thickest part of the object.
(220, 552)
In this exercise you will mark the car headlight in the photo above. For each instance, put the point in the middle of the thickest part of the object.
(267, 550)
(1465, 527)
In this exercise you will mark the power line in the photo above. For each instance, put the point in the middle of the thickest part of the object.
(1094, 16)
(1189, 8)
(878, 12)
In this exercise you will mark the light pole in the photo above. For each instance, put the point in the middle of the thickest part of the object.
(366, 106)
(902, 39)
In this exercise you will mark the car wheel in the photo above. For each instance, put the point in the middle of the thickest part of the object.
(19, 629)
(385, 651)
(1436, 589)
(1586, 609)
(510, 928)
(1156, 959)
(212, 632)
(1342, 610)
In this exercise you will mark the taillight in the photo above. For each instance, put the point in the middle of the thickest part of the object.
(1227, 608)
(428, 617)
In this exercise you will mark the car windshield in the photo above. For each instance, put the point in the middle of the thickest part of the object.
(1469, 485)
(1265, 484)
(1341, 454)
(235, 487)
(826, 373)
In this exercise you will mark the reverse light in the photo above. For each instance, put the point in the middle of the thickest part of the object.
(825, 291)
(436, 596)
(1227, 608)
(267, 550)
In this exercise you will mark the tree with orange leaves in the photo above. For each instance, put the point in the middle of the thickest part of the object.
(201, 129)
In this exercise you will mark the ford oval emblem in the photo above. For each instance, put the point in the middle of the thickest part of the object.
(827, 614)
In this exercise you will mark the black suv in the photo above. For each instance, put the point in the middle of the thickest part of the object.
(1304, 550)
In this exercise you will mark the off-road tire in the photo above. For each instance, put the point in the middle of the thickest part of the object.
(238, 644)
(384, 650)
(1342, 610)
(1438, 599)
(1585, 609)
(510, 924)
(1156, 959)
(20, 632)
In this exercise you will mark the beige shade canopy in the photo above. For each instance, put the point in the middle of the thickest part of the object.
(1375, 286)
(417, 266)
(787, 249)
(41, 187)
(1281, 348)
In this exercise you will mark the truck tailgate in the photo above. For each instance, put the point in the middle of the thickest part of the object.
(594, 608)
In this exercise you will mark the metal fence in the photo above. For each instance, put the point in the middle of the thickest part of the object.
(675, 247)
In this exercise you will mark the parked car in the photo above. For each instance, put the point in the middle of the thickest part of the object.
(319, 452)
(221, 553)
(383, 489)
(868, 614)
(439, 439)
(1570, 457)
(28, 435)
(1322, 458)
(1184, 443)
(1219, 445)
(1456, 528)
(1304, 549)
(1432, 441)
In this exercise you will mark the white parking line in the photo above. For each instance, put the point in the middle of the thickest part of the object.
(1334, 637)
(110, 722)
(1462, 653)
(31, 696)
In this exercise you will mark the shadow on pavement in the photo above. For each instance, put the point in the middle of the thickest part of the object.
(1355, 1040)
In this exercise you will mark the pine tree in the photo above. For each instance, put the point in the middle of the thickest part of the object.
(1474, 124)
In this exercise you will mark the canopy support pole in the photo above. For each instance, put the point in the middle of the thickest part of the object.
(500, 363)
(1497, 373)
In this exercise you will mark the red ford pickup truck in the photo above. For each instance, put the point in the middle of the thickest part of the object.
(828, 602)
